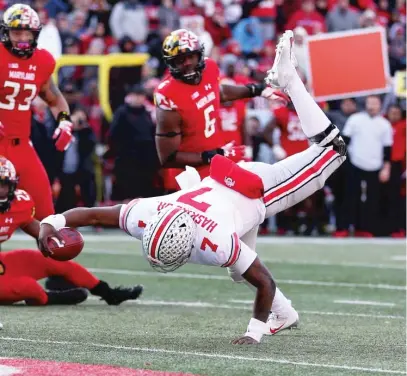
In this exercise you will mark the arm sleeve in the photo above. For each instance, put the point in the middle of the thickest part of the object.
(388, 135)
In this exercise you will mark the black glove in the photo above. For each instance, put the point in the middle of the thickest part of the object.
(209, 154)
(256, 89)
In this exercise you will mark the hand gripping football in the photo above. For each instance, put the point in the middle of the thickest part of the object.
(73, 244)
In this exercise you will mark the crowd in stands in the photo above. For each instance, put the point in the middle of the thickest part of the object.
(241, 36)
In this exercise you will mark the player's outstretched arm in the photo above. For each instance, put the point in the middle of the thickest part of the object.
(258, 276)
(230, 93)
(78, 217)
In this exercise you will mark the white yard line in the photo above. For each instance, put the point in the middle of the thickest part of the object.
(364, 302)
(398, 258)
(136, 253)
(205, 355)
(221, 277)
(121, 237)
(249, 303)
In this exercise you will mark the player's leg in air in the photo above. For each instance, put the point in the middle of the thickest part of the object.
(290, 181)
(23, 268)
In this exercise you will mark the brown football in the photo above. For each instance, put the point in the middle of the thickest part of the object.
(73, 244)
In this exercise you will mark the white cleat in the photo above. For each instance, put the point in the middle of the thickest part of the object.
(278, 322)
(284, 65)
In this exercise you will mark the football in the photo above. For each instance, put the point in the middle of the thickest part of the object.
(73, 244)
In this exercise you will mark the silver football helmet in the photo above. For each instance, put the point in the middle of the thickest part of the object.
(168, 239)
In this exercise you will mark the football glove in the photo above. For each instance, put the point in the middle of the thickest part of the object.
(63, 134)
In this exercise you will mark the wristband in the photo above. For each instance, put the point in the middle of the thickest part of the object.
(57, 221)
(63, 116)
(256, 329)
(209, 154)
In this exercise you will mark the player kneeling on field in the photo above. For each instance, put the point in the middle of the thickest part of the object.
(215, 222)
(21, 269)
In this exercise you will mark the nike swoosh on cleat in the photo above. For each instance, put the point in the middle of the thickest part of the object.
(274, 331)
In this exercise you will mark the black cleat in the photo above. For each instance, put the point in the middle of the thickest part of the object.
(330, 137)
(57, 283)
(120, 294)
(67, 297)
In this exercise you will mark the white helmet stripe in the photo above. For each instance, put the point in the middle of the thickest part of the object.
(159, 230)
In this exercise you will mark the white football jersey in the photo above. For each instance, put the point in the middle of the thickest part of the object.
(222, 217)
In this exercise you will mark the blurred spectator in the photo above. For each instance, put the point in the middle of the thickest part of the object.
(216, 26)
(370, 139)
(167, 15)
(196, 24)
(78, 22)
(99, 34)
(129, 18)
(248, 34)
(338, 181)
(300, 48)
(397, 47)
(77, 168)
(132, 145)
(368, 19)
(49, 38)
(394, 214)
(341, 116)
(342, 17)
(308, 18)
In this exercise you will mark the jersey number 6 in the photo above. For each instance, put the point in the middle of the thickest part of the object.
(209, 123)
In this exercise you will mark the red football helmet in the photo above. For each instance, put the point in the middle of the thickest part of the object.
(176, 47)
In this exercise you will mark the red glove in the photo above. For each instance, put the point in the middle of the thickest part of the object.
(63, 135)
(2, 131)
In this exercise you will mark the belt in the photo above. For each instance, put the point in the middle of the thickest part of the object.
(15, 141)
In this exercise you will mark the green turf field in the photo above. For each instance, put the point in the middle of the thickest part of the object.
(351, 300)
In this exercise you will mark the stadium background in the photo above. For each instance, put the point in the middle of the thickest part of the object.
(95, 42)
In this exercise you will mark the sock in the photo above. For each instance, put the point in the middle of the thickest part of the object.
(313, 119)
(101, 289)
(280, 302)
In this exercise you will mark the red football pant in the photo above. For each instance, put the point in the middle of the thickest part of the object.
(32, 174)
(23, 268)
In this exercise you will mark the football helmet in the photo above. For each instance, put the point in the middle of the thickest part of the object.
(176, 46)
(168, 239)
(9, 177)
(20, 17)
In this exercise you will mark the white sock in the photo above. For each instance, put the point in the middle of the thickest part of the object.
(312, 118)
(280, 302)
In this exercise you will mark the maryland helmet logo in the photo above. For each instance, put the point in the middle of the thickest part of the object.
(179, 42)
(21, 16)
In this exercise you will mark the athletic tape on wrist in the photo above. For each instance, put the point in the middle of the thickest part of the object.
(256, 329)
(57, 221)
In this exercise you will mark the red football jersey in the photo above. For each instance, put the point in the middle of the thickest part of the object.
(21, 212)
(198, 106)
(232, 120)
(20, 82)
(293, 140)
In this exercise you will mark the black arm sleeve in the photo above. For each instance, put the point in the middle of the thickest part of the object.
(386, 153)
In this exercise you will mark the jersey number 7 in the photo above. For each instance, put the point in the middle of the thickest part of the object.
(188, 198)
